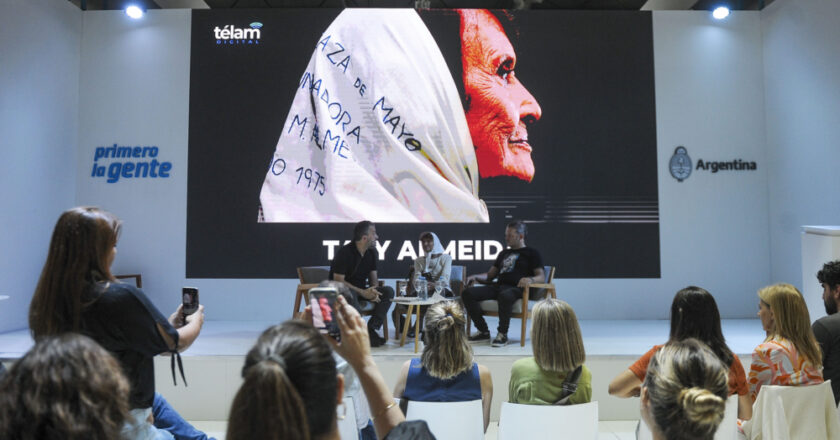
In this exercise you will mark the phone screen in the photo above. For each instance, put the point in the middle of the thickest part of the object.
(189, 297)
(323, 300)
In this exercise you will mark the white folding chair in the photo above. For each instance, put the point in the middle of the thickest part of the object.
(535, 422)
(347, 428)
(727, 430)
(793, 413)
(450, 420)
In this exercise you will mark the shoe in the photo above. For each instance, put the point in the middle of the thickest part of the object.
(375, 339)
(480, 336)
(500, 341)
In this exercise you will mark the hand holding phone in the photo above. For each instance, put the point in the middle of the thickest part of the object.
(189, 299)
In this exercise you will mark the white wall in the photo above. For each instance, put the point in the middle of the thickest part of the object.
(39, 102)
(134, 89)
(802, 96)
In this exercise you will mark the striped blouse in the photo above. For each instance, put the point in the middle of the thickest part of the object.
(776, 362)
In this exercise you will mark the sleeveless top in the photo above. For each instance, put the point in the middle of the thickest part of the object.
(421, 387)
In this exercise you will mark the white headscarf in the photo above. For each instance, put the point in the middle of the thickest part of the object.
(391, 53)
(437, 249)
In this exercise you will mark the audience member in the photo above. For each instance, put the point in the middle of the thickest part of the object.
(694, 314)
(291, 386)
(434, 267)
(352, 386)
(78, 293)
(64, 388)
(355, 266)
(827, 329)
(684, 393)
(556, 374)
(445, 372)
(790, 354)
(516, 268)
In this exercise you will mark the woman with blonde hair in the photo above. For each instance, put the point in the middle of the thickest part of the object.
(684, 393)
(790, 354)
(558, 360)
(446, 371)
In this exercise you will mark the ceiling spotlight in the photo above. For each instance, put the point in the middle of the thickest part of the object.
(720, 12)
(134, 12)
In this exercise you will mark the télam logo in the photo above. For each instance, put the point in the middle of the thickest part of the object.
(229, 34)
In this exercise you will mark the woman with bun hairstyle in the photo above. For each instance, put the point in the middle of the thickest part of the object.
(292, 389)
(790, 354)
(446, 371)
(684, 393)
(694, 314)
(77, 293)
(66, 387)
(558, 353)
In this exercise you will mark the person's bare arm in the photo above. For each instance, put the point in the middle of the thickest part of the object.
(483, 278)
(744, 407)
(399, 388)
(187, 332)
(369, 294)
(355, 349)
(625, 384)
(486, 393)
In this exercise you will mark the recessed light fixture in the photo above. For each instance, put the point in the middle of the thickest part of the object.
(134, 12)
(720, 12)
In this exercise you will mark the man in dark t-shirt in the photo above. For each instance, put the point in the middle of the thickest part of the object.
(355, 265)
(827, 328)
(515, 267)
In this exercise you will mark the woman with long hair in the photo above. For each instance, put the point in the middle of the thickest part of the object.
(684, 393)
(64, 388)
(77, 293)
(558, 354)
(694, 314)
(446, 370)
(291, 388)
(790, 354)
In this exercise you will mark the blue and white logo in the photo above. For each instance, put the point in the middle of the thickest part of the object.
(680, 164)
(230, 34)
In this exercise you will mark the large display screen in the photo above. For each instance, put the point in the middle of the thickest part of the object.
(303, 122)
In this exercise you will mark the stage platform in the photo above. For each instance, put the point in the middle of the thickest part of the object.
(213, 363)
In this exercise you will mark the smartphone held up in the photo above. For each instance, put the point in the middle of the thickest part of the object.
(189, 298)
(324, 312)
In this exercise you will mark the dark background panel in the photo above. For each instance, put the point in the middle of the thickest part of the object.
(592, 73)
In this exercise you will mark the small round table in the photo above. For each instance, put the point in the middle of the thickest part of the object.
(414, 304)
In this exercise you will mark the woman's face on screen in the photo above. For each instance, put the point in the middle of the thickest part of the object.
(499, 108)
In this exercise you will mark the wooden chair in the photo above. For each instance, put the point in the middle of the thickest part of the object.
(138, 279)
(311, 276)
(530, 295)
(538, 422)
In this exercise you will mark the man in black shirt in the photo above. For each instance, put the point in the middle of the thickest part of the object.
(355, 266)
(827, 328)
(516, 267)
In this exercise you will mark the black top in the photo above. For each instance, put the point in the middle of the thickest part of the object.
(515, 264)
(353, 265)
(827, 332)
(410, 430)
(124, 322)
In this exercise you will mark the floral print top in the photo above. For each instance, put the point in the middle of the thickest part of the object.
(776, 362)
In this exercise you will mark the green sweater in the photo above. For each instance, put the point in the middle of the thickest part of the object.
(530, 384)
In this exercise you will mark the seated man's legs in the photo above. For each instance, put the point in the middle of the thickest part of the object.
(507, 296)
(380, 310)
(472, 296)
